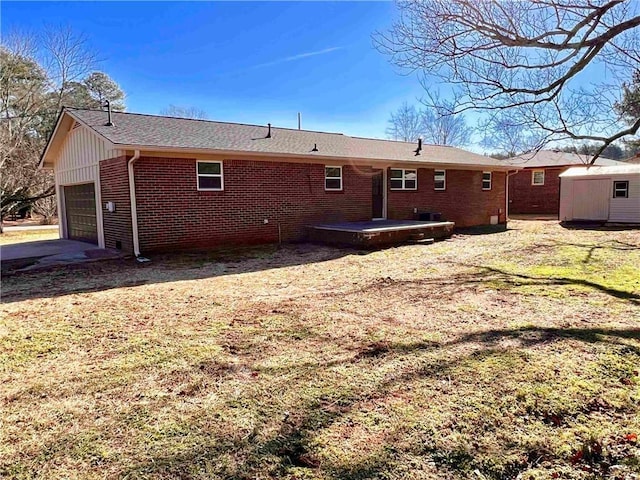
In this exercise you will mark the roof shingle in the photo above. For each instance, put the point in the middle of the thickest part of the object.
(150, 131)
(555, 158)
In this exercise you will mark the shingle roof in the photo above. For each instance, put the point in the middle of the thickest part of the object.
(149, 131)
(555, 158)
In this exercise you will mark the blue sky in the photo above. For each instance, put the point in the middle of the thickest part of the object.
(241, 61)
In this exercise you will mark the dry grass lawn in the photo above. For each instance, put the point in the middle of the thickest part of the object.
(513, 355)
(8, 238)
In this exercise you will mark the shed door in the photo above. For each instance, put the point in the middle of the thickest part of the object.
(80, 212)
(591, 199)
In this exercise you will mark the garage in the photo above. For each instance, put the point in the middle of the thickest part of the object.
(80, 212)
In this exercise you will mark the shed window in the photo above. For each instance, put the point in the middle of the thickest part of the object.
(209, 175)
(486, 180)
(537, 177)
(440, 180)
(621, 189)
(333, 178)
(403, 179)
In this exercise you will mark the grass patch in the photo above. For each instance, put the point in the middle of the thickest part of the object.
(10, 238)
(308, 362)
(563, 271)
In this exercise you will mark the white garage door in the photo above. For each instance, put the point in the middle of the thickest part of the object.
(591, 199)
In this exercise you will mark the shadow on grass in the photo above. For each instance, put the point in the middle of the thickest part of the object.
(597, 225)
(590, 249)
(291, 450)
(488, 275)
(93, 277)
(483, 229)
(99, 276)
(516, 278)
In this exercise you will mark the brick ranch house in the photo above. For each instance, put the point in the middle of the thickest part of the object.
(144, 183)
(535, 188)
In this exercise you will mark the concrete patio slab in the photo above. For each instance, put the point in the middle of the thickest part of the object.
(43, 248)
(44, 253)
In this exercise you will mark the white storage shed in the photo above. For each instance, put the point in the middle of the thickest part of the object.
(601, 193)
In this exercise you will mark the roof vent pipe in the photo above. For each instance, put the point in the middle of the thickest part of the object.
(108, 106)
(269, 132)
(315, 147)
(299, 121)
(417, 150)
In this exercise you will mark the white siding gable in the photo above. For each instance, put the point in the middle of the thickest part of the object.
(80, 155)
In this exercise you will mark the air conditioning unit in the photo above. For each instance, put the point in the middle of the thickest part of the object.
(430, 216)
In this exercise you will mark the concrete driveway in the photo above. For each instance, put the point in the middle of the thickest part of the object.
(30, 255)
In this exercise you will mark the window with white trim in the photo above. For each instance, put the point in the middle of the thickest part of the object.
(209, 176)
(621, 189)
(403, 179)
(333, 178)
(486, 180)
(440, 180)
(537, 177)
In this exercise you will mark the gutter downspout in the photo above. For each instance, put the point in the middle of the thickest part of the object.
(506, 210)
(134, 208)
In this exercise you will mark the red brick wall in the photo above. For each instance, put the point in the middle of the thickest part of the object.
(114, 187)
(173, 214)
(527, 198)
(463, 202)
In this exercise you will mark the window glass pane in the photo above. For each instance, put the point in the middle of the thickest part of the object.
(439, 174)
(486, 180)
(538, 178)
(396, 173)
(333, 184)
(395, 183)
(212, 168)
(332, 172)
(439, 185)
(620, 189)
(210, 182)
(410, 175)
(410, 184)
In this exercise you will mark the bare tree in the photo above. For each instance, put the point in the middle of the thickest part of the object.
(66, 58)
(435, 124)
(406, 124)
(442, 125)
(23, 104)
(509, 137)
(37, 76)
(47, 207)
(184, 112)
(533, 64)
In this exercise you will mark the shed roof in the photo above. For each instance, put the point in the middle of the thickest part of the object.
(141, 131)
(595, 171)
(555, 158)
